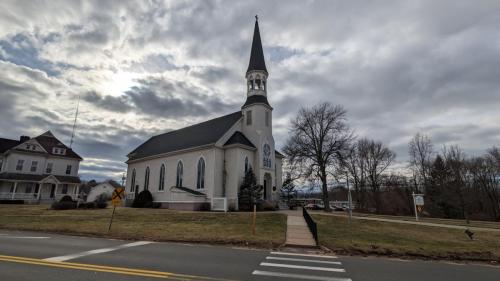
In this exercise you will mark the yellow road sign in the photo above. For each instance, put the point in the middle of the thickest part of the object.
(117, 196)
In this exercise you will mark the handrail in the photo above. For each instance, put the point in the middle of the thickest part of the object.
(311, 224)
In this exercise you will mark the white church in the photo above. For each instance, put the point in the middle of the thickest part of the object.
(202, 166)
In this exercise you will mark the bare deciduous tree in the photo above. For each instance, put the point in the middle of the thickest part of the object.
(421, 151)
(379, 158)
(318, 138)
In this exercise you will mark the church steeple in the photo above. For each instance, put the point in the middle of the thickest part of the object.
(257, 61)
(257, 72)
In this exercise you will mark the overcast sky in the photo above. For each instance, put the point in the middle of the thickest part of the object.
(398, 67)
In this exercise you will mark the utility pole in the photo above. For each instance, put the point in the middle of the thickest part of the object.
(74, 123)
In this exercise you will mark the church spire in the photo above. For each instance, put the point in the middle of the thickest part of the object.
(257, 61)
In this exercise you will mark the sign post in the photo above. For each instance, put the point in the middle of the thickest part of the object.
(116, 200)
(418, 203)
(254, 218)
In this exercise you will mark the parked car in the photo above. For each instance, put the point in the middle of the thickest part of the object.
(312, 206)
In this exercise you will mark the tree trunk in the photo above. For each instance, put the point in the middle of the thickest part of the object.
(326, 200)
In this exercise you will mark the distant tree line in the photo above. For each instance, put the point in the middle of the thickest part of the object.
(322, 147)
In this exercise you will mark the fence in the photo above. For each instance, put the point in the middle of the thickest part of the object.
(311, 224)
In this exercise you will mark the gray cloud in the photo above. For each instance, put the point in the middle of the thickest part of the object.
(397, 68)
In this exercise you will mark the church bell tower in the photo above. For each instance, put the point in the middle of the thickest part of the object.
(257, 113)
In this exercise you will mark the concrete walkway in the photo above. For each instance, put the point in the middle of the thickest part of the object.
(297, 231)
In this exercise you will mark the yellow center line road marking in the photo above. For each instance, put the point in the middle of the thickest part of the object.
(109, 269)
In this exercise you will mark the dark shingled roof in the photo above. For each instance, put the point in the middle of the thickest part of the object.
(189, 190)
(32, 177)
(200, 134)
(47, 140)
(256, 99)
(239, 138)
(279, 154)
(6, 144)
(257, 61)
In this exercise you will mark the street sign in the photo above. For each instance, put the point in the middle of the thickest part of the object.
(419, 200)
(117, 196)
(418, 203)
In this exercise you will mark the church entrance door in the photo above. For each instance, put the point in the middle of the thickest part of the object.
(267, 186)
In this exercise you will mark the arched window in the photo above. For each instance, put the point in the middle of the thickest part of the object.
(200, 182)
(246, 165)
(161, 187)
(146, 179)
(132, 182)
(178, 181)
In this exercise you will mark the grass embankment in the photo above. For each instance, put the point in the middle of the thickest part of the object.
(472, 223)
(150, 224)
(404, 240)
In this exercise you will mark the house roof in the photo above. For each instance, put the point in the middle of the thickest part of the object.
(6, 144)
(48, 141)
(33, 177)
(114, 184)
(257, 61)
(239, 138)
(204, 133)
(279, 154)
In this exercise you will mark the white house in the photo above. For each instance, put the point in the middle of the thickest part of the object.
(38, 169)
(204, 164)
(106, 187)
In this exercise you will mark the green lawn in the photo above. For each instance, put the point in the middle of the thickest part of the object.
(405, 240)
(150, 224)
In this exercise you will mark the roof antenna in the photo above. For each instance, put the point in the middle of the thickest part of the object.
(74, 123)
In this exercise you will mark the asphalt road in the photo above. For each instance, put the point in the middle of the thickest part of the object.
(40, 256)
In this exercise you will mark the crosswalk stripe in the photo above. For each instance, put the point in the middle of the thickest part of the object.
(302, 267)
(303, 260)
(298, 276)
(303, 255)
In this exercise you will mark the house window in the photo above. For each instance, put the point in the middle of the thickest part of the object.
(200, 182)
(19, 166)
(268, 118)
(161, 187)
(48, 170)
(64, 189)
(246, 165)
(146, 179)
(178, 181)
(1, 164)
(33, 166)
(263, 85)
(132, 184)
(249, 117)
(68, 170)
